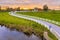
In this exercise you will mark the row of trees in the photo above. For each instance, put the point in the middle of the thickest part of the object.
(45, 8)
(11, 9)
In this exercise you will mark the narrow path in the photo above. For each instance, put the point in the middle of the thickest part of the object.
(53, 28)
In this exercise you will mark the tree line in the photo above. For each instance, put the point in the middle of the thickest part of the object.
(45, 8)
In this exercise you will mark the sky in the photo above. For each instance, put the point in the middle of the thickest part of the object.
(31, 3)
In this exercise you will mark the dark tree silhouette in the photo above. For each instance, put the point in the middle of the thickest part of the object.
(0, 8)
(18, 9)
(9, 9)
(45, 8)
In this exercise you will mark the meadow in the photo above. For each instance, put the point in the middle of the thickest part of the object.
(52, 15)
(24, 25)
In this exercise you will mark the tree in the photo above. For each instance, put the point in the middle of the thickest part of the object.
(9, 9)
(18, 9)
(0, 8)
(45, 8)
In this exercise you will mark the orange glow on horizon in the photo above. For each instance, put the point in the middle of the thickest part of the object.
(31, 6)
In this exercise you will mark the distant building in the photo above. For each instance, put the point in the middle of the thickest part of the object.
(37, 9)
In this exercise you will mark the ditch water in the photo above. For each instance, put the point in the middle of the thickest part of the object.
(7, 34)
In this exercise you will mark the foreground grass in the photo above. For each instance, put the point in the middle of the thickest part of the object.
(52, 15)
(23, 25)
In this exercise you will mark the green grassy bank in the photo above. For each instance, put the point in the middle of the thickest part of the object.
(23, 25)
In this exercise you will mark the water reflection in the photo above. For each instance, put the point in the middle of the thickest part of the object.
(7, 34)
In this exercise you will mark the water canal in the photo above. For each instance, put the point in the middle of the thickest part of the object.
(7, 34)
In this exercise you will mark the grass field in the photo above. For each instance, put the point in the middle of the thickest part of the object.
(23, 25)
(52, 15)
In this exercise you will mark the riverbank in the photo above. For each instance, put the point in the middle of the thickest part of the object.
(8, 34)
(28, 27)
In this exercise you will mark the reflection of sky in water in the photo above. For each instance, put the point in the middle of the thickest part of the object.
(6, 34)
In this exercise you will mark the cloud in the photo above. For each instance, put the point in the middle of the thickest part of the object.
(42, 2)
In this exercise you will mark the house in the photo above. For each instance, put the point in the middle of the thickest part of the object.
(37, 9)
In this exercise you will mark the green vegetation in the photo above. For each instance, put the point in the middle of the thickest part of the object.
(52, 15)
(23, 25)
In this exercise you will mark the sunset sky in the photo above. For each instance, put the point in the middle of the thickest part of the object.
(53, 4)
